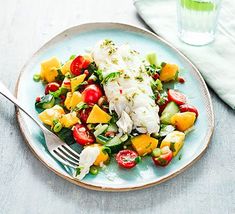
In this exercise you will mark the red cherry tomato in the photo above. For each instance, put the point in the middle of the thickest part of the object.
(176, 97)
(51, 87)
(163, 156)
(78, 64)
(126, 158)
(84, 114)
(92, 94)
(187, 107)
(82, 135)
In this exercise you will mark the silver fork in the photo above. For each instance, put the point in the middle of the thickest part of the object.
(60, 150)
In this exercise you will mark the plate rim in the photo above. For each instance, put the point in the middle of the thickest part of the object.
(132, 28)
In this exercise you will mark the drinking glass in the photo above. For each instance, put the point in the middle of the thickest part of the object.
(197, 20)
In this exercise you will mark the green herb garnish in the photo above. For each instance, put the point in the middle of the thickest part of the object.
(112, 76)
(72, 57)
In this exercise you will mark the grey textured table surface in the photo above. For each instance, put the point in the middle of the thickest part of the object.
(26, 186)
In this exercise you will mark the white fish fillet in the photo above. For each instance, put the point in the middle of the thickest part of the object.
(130, 94)
(87, 159)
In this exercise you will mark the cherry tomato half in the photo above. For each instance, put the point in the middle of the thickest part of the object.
(126, 158)
(78, 64)
(187, 107)
(84, 114)
(163, 156)
(176, 97)
(92, 94)
(51, 87)
(82, 135)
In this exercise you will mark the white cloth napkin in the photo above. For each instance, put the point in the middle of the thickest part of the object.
(215, 61)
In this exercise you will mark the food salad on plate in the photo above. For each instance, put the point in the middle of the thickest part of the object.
(115, 103)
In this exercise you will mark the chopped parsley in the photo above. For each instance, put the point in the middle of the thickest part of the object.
(139, 78)
(126, 76)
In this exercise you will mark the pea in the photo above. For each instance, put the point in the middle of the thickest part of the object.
(58, 126)
(94, 170)
(36, 77)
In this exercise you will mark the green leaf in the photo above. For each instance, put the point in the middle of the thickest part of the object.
(92, 68)
(172, 146)
(72, 57)
(112, 76)
(138, 159)
(78, 170)
(60, 76)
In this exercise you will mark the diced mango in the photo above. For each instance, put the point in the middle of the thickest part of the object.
(76, 81)
(175, 141)
(98, 115)
(102, 157)
(70, 119)
(183, 121)
(72, 99)
(66, 83)
(48, 115)
(66, 67)
(168, 72)
(49, 69)
(144, 144)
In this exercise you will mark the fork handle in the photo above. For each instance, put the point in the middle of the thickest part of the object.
(6, 93)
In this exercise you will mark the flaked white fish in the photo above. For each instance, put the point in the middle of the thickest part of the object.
(130, 94)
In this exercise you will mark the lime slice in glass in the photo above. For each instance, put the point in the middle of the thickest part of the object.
(198, 5)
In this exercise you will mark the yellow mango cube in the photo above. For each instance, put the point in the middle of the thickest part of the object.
(144, 144)
(168, 72)
(102, 157)
(48, 115)
(98, 115)
(70, 119)
(183, 121)
(66, 67)
(72, 99)
(175, 141)
(49, 69)
(76, 81)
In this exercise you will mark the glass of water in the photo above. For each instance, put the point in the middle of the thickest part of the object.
(197, 20)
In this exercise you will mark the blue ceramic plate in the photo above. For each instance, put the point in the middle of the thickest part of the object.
(76, 40)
